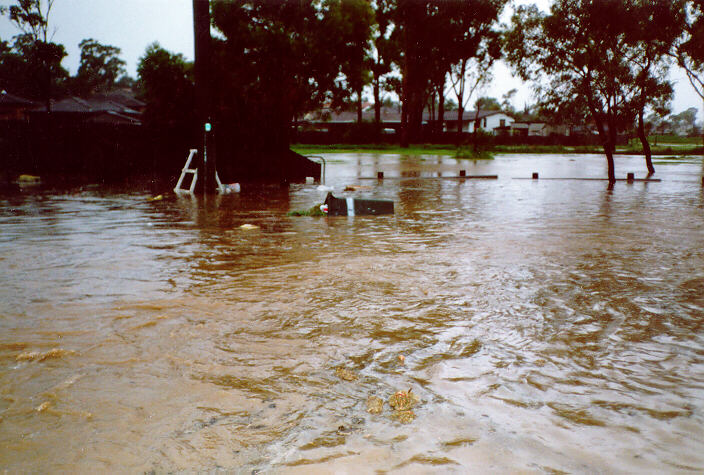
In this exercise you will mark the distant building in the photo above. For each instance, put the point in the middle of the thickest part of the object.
(118, 108)
(14, 107)
(494, 122)
(538, 129)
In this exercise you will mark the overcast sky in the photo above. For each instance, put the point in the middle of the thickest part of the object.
(131, 25)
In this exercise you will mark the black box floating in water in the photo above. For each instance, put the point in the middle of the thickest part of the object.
(355, 206)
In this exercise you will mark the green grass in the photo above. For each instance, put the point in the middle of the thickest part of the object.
(674, 139)
(427, 149)
(546, 149)
(470, 153)
(634, 148)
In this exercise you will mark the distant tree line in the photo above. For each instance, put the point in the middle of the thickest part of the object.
(604, 62)
(30, 63)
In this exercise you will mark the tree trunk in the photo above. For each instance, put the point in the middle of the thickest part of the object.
(359, 106)
(405, 102)
(605, 140)
(377, 102)
(644, 142)
(404, 121)
(441, 110)
(460, 113)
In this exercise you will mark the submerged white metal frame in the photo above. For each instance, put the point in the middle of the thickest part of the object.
(222, 189)
(178, 190)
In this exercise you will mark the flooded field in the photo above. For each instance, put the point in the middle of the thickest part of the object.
(544, 326)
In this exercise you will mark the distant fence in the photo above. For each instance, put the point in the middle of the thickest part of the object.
(365, 134)
(105, 152)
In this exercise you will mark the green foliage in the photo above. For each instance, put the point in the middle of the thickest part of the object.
(313, 211)
(433, 36)
(31, 67)
(689, 52)
(31, 17)
(488, 104)
(355, 19)
(472, 153)
(100, 67)
(605, 57)
(166, 85)
(275, 61)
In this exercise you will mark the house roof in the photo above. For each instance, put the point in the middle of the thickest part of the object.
(91, 105)
(112, 117)
(123, 97)
(10, 100)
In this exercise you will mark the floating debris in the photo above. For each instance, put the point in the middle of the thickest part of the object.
(356, 206)
(43, 406)
(404, 417)
(356, 188)
(249, 226)
(375, 405)
(346, 374)
(228, 188)
(156, 198)
(28, 180)
(51, 354)
(401, 404)
(403, 400)
(401, 359)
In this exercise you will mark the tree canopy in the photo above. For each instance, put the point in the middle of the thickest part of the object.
(600, 56)
(434, 36)
(100, 67)
(166, 85)
(32, 65)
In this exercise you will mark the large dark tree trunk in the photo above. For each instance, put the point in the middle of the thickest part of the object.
(441, 109)
(359, 106)
(377, 102)
(404, 113)
(608, 149)
(414, 76)
(644, 142)
(201, 30)
(604, 135)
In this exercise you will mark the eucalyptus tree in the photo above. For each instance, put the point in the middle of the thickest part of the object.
(384, 52)
(355, 19)
(689, 51)
(432, 37)
(100, 66)
(31, 17)
(167, 87)
(585, 52)
(653, 30)
(474, 48)
(468, 77)
(41, 57)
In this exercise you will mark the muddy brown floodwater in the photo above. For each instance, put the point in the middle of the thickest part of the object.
(543, 326)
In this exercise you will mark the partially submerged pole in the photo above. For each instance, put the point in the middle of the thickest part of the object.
(202, 42)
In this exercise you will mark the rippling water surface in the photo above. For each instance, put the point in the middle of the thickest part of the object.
(549, 325)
